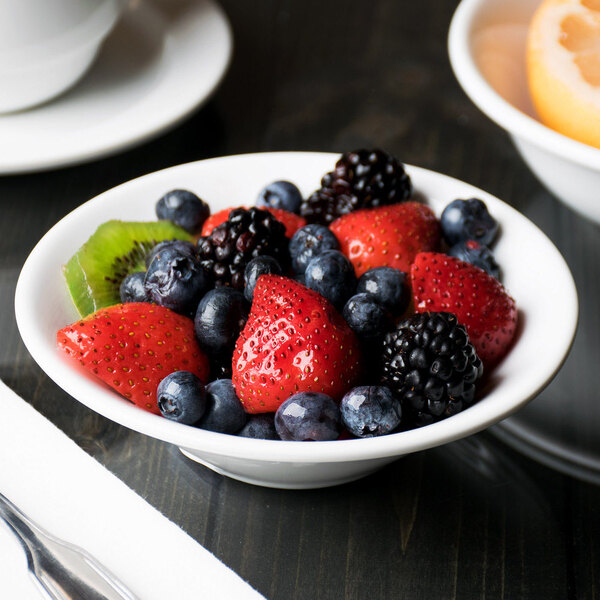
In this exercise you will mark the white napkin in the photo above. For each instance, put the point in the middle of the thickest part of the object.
(71, 495)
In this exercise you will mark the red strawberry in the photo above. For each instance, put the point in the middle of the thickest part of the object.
(294, 341)
(291, 220)
(479, 301)
(387, 236)
(132, 347)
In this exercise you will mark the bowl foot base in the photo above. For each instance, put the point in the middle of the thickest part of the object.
(287, 482)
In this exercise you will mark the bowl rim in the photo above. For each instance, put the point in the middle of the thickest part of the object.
(492, 104)
(207, 442)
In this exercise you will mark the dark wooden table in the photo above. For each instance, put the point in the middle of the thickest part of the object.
(472, 519)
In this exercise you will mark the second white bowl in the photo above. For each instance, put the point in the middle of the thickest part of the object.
(486, 44)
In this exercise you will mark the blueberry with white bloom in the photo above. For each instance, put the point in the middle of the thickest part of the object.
(181, 397)
(224, 411)
(366, 317)
(260, 427)
(183, 208)
(280, 194)
(476, 254)
(308, 416)
(132, 288)
(370, 410)
(332, 275)
(464, 220)
(309, 241)
(220, 317)
(388, 286)
(175, 279)
(261, 265)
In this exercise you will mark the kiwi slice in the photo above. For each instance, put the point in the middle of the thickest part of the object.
(117, 248)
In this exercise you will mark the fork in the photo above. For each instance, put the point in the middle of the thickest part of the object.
(62, 571)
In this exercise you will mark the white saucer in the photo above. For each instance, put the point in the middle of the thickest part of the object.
(161, 62)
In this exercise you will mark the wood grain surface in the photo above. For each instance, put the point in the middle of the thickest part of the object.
(472, 519)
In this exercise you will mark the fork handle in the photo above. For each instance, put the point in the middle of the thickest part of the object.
(60, 582)
(62, 571)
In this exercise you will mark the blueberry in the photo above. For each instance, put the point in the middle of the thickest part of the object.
(308, 416)
(261, 265)
(366, 317)
(180, 245)
(132, 288)
(370, 410)
(464, 220)
(260, 427)
(388, 286)
(280, 194)
(184, 209)
(220, 317)
(332, 275)
(476, 254)
(176, 279)
(308, 242)
(181, 397)
(224, 411)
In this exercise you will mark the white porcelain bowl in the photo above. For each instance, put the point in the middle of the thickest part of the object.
(487, 43)
(534, 273)
(47, 45)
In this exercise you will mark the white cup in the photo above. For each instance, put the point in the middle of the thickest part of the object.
(47, 45)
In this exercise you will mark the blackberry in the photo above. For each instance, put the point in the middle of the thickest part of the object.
(361, 179)
(233, 244)
(431, 366)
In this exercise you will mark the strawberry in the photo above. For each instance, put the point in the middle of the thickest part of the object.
(387, 236)
(479, 301)
(291, 220)
(294, 341)
(132, 347)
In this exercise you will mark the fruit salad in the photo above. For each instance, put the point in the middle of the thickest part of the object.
(352, 312)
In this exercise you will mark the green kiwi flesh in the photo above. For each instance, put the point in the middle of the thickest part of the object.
(117, 248)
